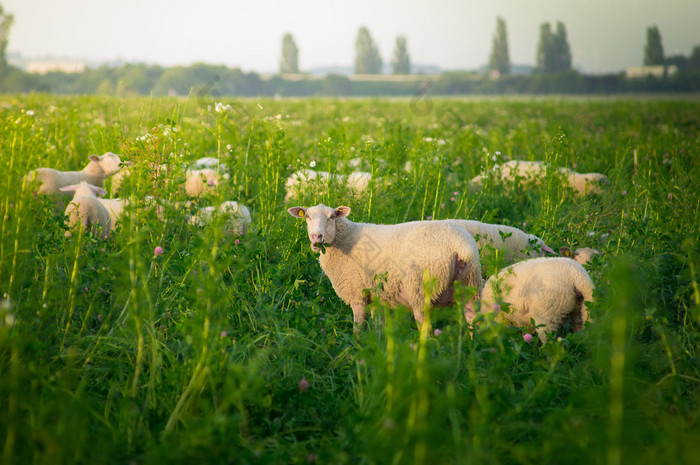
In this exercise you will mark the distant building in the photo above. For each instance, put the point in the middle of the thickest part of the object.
(47, 66)
(657, 71)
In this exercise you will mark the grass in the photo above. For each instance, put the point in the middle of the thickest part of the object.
(112, 354)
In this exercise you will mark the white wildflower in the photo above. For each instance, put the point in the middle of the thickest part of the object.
(30, 113)
(428, 139)
(312, 164)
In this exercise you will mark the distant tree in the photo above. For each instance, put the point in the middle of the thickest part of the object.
(499, 60)
(367, 58)
(653, 51)
(6, 21)
(694, 60)
(290, 54)
(544, 60)
(553, 51)
(401, 62)
(561, 49)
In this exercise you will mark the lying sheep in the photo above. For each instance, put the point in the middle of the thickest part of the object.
(582, 255)
(200, 181)
(237, 217)
(517, 246)
(548, 290)
(51, 180)
(589, 183)
(356, 252)
(209, 162)
(86, 209)
(301, 180)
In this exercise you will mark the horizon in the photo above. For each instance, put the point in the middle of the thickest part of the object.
(449, 34)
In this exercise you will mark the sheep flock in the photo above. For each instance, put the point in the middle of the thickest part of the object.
(537, 287)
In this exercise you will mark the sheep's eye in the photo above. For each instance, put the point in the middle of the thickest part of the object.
(332, 217)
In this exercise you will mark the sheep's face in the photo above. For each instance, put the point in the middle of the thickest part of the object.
(320, 222)
(109, 162)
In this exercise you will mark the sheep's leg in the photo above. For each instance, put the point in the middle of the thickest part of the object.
(358, 315)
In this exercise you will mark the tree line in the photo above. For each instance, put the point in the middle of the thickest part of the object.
(553, 73)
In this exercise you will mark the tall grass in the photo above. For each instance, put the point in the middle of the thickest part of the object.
(237, 350)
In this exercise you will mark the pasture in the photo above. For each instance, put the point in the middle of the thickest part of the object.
(236, 349)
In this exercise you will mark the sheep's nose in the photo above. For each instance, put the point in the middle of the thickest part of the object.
(316, 238)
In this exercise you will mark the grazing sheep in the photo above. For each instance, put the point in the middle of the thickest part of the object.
(297, 182)
(201, 181)
(588, 183)
(356, 252)
(582, 255)
(548, 290)
(516, 246)
(209, 162)
(237, 217)
(86, 209)
(51, 180)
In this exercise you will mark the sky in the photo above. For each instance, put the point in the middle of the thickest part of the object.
(604, 35)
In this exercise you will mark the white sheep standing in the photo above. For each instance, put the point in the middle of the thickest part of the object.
(581, 255)
(301, 180)
(517, 246)
(86, 209)
(98, 168)
(115, 208)
(201, 181)
(583, 183)
(237, 217)
(547, 290)
(356, 252)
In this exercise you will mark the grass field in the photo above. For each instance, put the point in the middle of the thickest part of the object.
(237, 350)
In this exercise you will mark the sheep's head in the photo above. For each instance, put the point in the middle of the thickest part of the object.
(109, 162)
(582, 255)
(320, 222)
(595, 182)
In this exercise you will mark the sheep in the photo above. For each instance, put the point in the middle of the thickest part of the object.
(516, 246)
(126, 172)
(201, 181)
(115, 207)
(548, 290)
(581, 255)
(588, 183)
(86, 209)
(51, 180)
(209, 162)
(357, 181)
(356, 252)
(237, 217)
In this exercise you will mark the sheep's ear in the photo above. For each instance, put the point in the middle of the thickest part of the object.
(298, 212)
(71, 188)
(93, 157)
(97, 190)
(342, 211)
(565, 252)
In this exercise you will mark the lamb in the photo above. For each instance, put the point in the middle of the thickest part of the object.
(588, 183)
(86, 210)
(548, 290)
(115, 208)
(581, 255)
(356, 252)
(237, 217)
(201, 181)
(297, 182)
(517, 246)
(98, 168)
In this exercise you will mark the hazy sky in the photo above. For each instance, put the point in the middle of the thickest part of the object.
(605, 35)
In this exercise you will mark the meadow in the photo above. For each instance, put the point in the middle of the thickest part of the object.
(237, 350)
